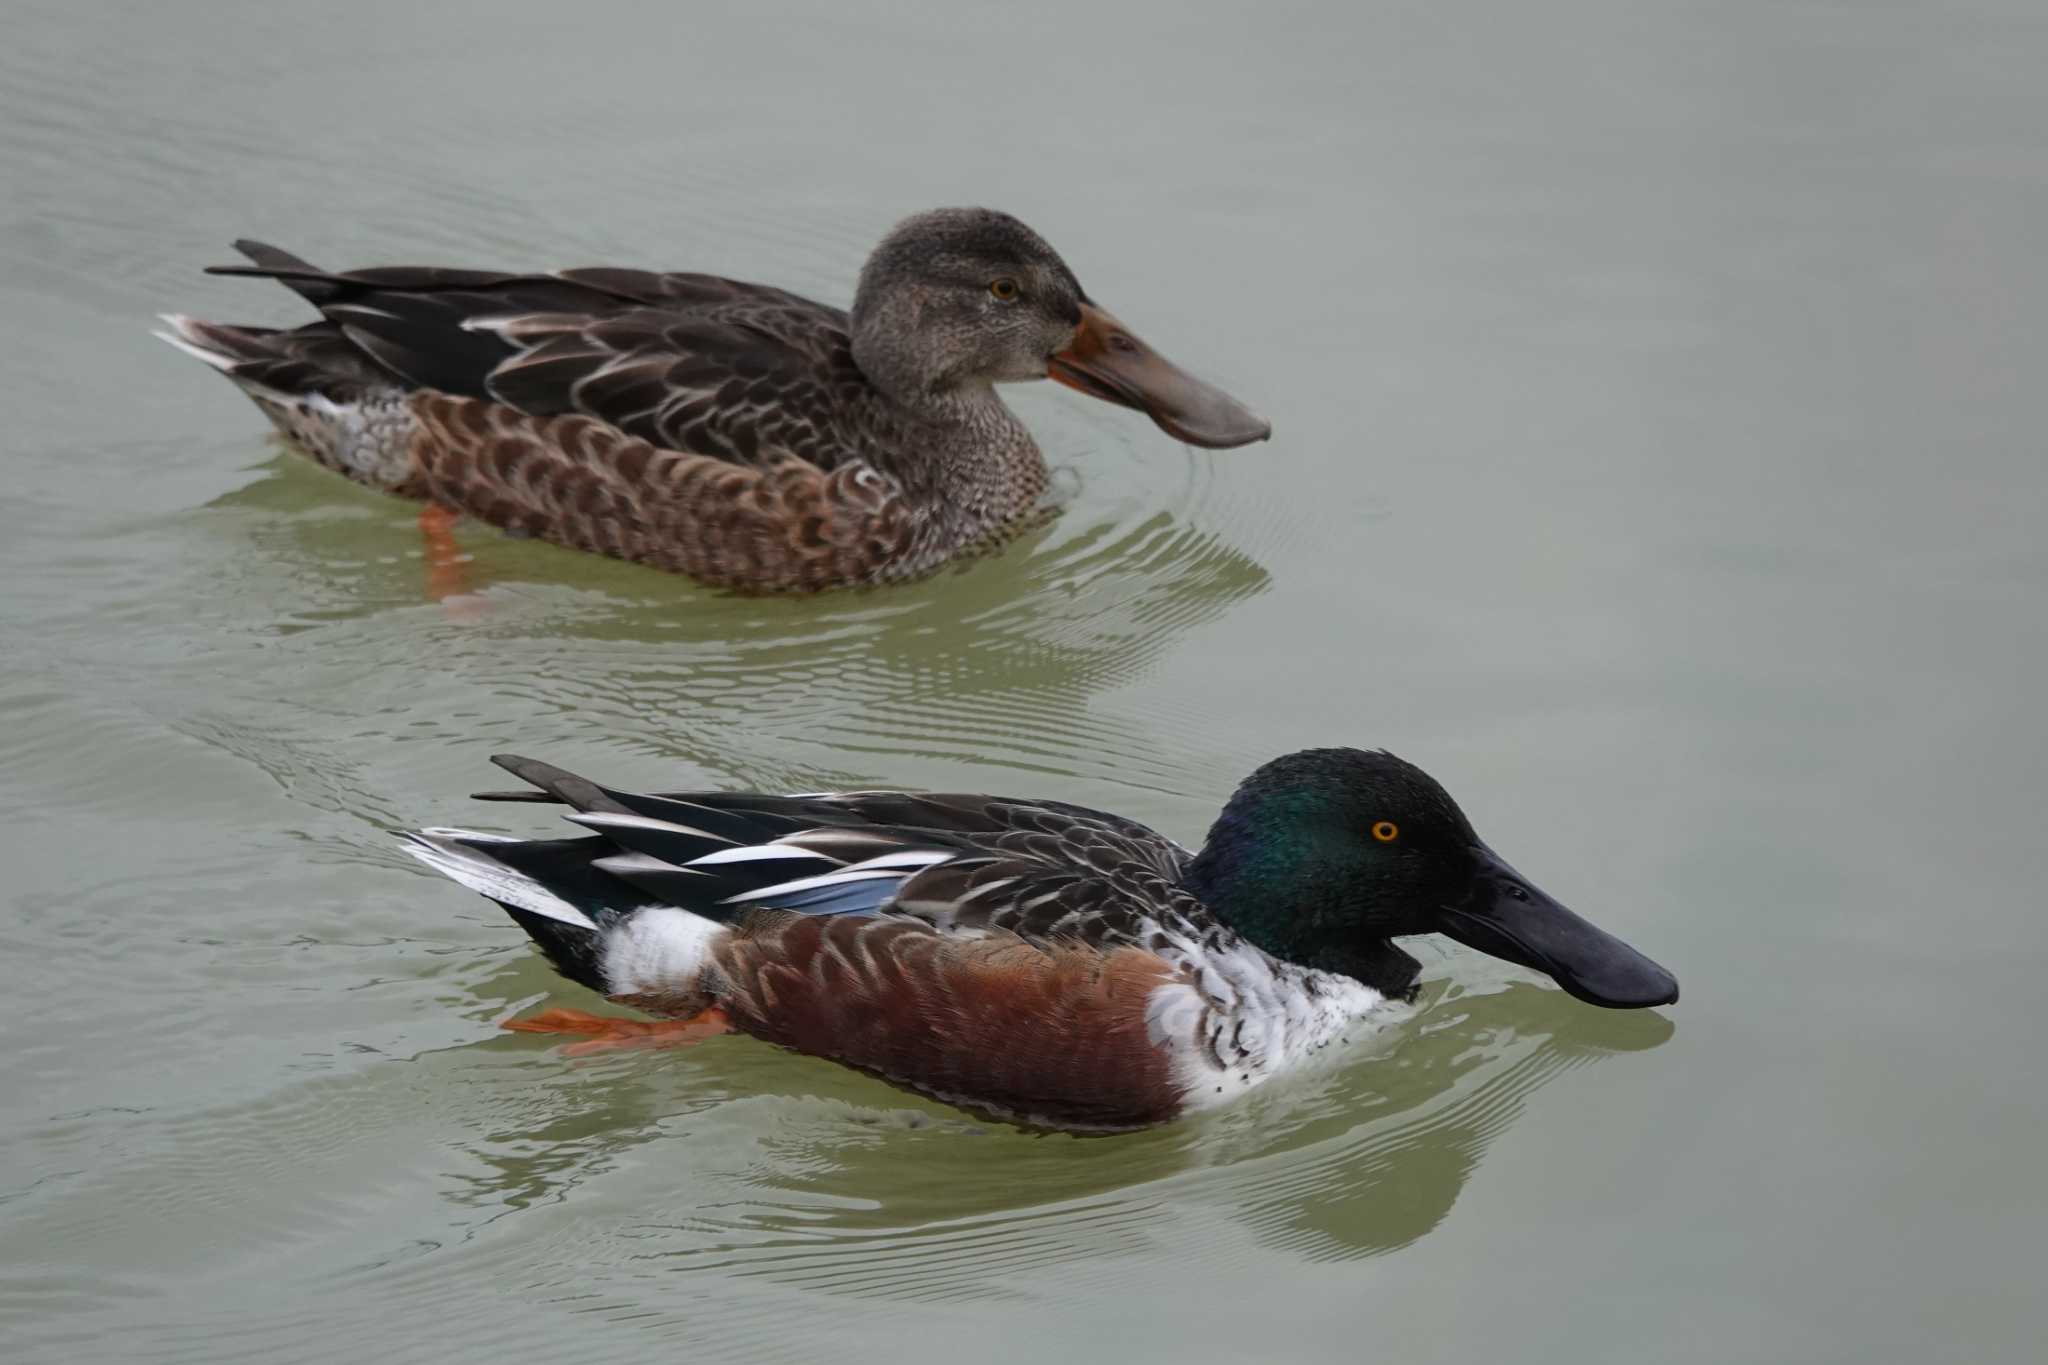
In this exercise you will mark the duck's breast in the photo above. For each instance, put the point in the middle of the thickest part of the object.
(1235, 1017)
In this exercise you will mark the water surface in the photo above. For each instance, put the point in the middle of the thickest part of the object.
(1658, 460)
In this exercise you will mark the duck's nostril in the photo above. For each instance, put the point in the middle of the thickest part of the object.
(1119, 342)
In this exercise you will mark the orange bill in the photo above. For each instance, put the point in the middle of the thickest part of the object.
(1107, 360)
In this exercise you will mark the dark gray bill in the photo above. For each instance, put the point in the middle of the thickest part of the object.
(1505, 916)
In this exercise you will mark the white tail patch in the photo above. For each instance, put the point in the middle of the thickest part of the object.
(658, 949)
(482, 873)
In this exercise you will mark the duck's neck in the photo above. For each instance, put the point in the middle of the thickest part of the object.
(974, 413)
(1277, 893)
(963, 447)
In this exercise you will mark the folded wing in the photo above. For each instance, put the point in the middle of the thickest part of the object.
(686, 362)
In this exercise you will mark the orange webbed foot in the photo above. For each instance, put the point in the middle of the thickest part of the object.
(610, 1033)
(447, 581)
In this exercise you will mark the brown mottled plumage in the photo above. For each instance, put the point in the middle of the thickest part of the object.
(780, 525)
(734, 432)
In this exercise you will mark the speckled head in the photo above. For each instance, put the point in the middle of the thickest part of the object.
(1322, 856)
(959, 299)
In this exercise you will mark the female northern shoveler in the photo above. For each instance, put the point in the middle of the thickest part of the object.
(1032, 959)
(733, 432)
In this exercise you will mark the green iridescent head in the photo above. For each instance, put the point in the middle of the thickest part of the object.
(1323, 856)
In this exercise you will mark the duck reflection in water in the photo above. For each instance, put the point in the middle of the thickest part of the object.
(826, 1177)
(992, 665)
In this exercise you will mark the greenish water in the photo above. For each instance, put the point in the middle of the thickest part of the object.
(1658, 460)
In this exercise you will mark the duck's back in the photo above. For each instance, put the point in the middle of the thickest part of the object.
(686, 362)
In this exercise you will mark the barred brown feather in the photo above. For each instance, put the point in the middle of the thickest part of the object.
(783, 526)
(1057, 1036)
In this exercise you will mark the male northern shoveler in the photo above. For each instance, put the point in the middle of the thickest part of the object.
(734, 432)
(1032, 959)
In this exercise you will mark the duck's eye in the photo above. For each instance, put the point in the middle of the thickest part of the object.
(1386, 831)
(1005, 290)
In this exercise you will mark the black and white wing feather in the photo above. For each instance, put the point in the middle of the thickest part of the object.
(1048, 872)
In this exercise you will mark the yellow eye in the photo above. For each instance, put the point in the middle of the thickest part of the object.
(1386, 831)
(1005, 290)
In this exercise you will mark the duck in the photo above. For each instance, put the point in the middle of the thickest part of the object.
(1031, 960)
(737, 433)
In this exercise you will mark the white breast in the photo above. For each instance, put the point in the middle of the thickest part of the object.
(1243, 1017)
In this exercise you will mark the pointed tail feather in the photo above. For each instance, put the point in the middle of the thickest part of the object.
(308, 281)
(563, 930)
(598, 930)
(314, 360)
(468, 857)
(560, 784)
(217, 344)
